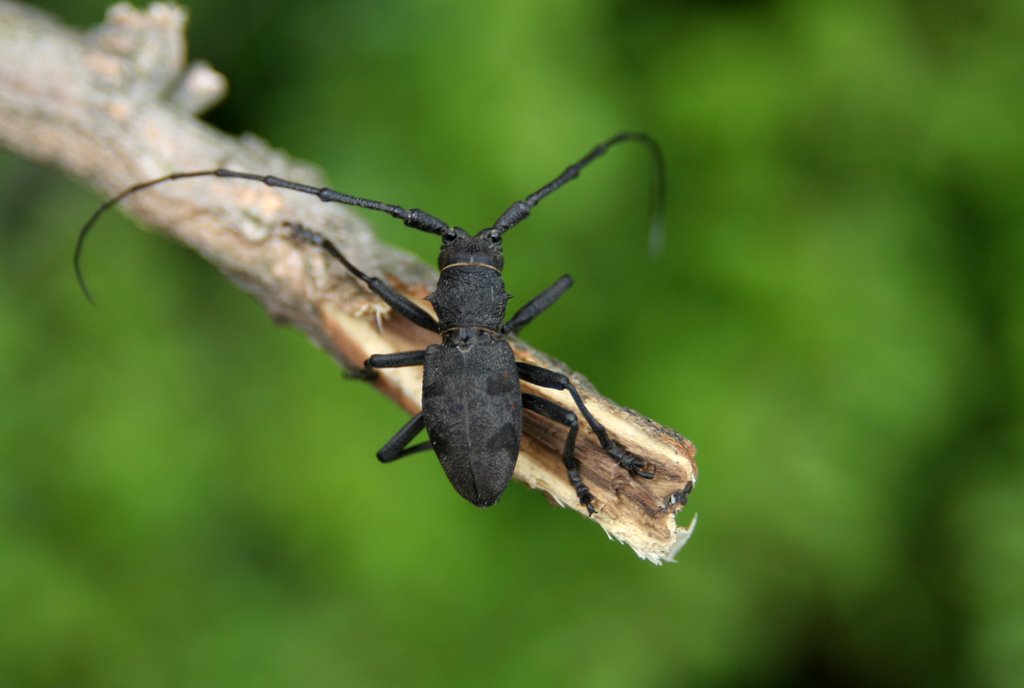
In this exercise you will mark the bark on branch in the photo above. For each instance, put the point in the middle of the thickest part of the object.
(117, 105)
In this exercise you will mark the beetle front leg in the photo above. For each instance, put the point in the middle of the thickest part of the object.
(542, 377)
(393, 298)
(538, 305)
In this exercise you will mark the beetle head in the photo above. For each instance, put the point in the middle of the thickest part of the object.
(459, 247)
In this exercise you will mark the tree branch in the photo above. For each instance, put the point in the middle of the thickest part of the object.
(117, 105)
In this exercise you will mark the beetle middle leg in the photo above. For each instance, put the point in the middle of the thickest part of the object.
(543, 377)
(399, 359)
(559, 414)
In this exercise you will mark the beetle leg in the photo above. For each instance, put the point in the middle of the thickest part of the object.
(397, 446)
(399, 359)
(537, 305)
(559, 414)
(543, 377)
(391, 297)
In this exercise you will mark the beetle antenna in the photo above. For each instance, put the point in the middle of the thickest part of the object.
(656, 208)
(519, 210)
(415, 218)
(106, 206)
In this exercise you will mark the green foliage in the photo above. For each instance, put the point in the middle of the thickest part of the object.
(189, 496)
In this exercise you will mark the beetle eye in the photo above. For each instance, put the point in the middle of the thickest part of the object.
(495, 235)
(448, 234)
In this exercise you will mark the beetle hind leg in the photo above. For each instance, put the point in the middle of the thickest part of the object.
(564, 416)
(543, 377)
(398, 446)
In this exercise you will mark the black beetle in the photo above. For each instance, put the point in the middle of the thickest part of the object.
(472, 401)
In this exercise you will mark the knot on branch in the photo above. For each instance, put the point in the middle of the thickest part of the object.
(142, 53)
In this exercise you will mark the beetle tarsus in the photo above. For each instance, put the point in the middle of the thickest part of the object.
(634, 464)
(586, 499)
(365, 373)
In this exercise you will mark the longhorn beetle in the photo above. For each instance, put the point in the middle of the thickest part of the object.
(472, 401)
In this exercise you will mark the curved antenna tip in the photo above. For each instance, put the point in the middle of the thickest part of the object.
(84, 232)
(656, 233)
(656, 237)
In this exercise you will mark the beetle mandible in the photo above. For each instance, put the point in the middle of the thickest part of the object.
(472, 401)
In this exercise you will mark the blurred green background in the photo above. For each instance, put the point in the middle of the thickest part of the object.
(188, 495)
